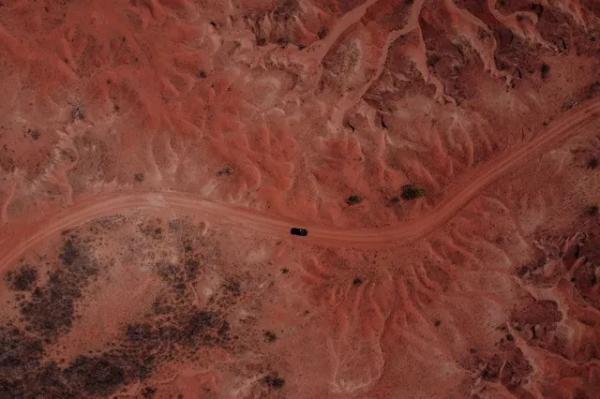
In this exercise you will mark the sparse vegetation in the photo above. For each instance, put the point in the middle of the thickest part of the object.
(411, 192)
(322, 33)
(50, 310)
(538, 9)
(591, 210)
(148, 392)
(34, 134)
(96, 375)
(69, 253)
(191, 267)
(354, 200)
(432, 60)
(270, 336)
(225, 171)
(23, 279)
(405, 141)
(544, 70)
(273, 380)
(151, 229)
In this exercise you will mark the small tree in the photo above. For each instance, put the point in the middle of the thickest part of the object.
(353, 200)
(411, 192)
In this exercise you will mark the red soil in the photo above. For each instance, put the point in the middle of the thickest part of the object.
(443, 156)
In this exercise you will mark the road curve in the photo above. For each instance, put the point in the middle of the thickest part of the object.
(219, 213)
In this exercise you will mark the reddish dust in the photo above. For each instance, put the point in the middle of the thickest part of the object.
(439, 159)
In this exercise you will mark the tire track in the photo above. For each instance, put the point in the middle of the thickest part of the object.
(178, 202)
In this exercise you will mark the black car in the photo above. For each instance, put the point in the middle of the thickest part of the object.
(299, 231)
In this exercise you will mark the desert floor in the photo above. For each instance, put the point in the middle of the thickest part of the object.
(442, 155)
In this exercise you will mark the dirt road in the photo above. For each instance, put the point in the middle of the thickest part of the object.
(223, 214)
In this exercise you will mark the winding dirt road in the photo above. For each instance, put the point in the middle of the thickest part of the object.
(184, 203)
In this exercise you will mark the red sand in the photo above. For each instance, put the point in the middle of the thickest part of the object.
(443, 155)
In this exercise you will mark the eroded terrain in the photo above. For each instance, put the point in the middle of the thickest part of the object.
(443, 156)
